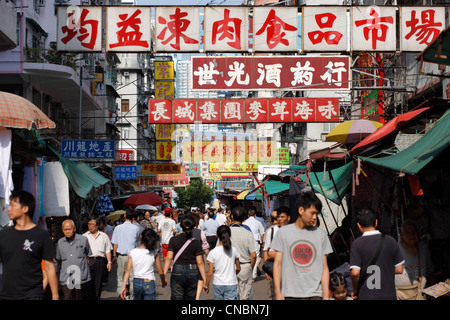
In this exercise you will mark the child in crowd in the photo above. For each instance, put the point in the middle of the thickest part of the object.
(223, 260)
(142, 260)
(338, 287)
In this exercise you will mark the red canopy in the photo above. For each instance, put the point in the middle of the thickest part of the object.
(390, 127)
(138, 199)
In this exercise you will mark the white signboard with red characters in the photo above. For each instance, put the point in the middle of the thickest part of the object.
(325, 29)
(128, 29)
(226, 29)
(79, 29)
(261, 110)
(177, 29)
(275, 29)
(232, 29)
(374, 28)
(420, 26)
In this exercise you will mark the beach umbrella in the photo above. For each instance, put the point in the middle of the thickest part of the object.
(137, 199)
(18, 112)
(114, 216)
(352, 131)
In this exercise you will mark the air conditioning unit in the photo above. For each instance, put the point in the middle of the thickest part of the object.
(41, 3)
(126, 74)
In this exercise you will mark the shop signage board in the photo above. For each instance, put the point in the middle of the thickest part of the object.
(230, 151)
(233, 167)
(270, 110)
(125, 172)
(88, 149)
(125, 155)
(271, 73)
(248, 29)
(160, 168)
(149, 182)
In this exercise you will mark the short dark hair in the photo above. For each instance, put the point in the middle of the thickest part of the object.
(25, 199)
(308, 199)
(282, 209)
(366, 217)
(238, 214)
(130, 214)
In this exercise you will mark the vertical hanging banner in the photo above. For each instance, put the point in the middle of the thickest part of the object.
(128, 29)
(79, 29)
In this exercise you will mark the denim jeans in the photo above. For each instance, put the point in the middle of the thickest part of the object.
(225, 292)
(144, 290)
(183, 281)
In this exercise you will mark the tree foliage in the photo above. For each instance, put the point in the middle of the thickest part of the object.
(196, 194)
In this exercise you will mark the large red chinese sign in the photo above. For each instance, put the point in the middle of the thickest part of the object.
(271, 73)
(246, 29)
(262, 110)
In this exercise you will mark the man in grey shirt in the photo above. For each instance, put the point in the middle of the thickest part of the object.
(242, 239)
(71, 253)
(300, 266)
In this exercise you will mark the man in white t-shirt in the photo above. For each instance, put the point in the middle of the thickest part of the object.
(166, 229)
(221, 218)
(258, 233)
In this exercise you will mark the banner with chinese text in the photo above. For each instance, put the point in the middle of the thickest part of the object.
(262, 110)
(232, 29)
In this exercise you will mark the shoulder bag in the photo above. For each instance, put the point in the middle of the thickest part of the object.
(182, 249)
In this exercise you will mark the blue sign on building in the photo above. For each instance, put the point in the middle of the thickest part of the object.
(125, 172)
(87, 149)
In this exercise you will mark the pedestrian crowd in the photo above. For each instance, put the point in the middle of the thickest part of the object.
(221, 250)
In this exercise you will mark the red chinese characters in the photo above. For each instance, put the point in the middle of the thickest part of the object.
(208, 110)
(280, 110)
(420, 26)
(376, 30)
(275, 28)
(81, 30)
(226, 29)
(175, 27)
(128, 29)
(256, 110)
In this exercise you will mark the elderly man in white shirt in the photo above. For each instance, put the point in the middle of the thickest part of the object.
(258, 233)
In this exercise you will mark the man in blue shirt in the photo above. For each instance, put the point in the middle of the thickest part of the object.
(210, 228)
(125, 238)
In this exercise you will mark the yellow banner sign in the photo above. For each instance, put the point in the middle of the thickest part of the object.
(161, 168)
(164, 150)
(163, 70)
(164, 90)
(164, 131)
(233, 167)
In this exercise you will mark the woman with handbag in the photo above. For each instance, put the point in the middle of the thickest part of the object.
(187, 255)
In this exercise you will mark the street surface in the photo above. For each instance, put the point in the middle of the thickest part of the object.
(261, 288)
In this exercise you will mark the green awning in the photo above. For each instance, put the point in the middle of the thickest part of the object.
(437, 51)
(419, 154)
(94, 175)
(341, 176)
(81, 179)
(273, 187)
